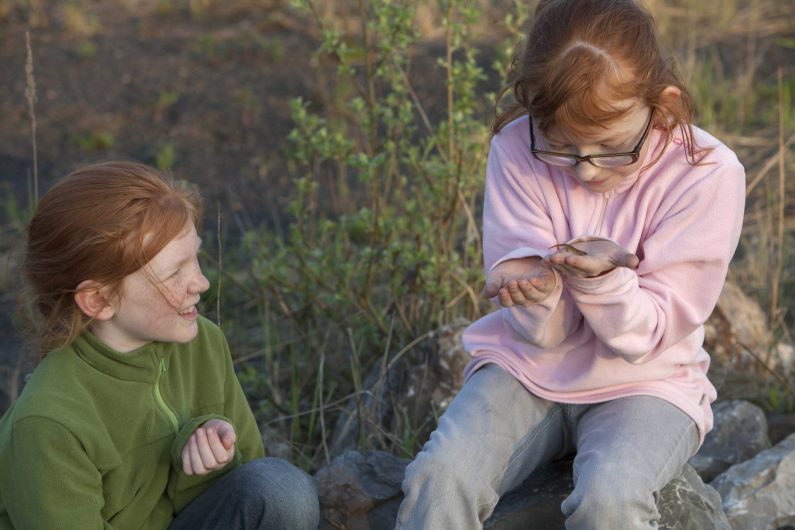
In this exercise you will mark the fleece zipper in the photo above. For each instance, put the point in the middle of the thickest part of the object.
(159, 397)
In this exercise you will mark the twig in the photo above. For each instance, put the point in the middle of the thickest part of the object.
(769, 164)
(781, 379)
(220, 267)
(30, 95)
(781, 195)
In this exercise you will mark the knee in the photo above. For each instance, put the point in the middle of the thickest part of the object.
(442, 475)
(609, 502)
(430, 470)
(287, 495)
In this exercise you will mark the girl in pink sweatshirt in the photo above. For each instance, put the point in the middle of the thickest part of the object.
(609, 224)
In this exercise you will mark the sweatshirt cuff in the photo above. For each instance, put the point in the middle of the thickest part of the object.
(522, 252)
(185, 433)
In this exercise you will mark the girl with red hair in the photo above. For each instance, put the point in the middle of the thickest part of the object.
(134, 417)
(609, 224)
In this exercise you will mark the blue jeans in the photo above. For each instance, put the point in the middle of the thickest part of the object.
(267, 493)
(495, 433)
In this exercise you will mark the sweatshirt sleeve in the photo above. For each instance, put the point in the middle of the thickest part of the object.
(48, 479)
(516, 225)
(684, 260)
(236, 411)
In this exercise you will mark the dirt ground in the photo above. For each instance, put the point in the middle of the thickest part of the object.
(207, 93)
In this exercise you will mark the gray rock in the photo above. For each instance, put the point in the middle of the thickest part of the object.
(361, 491)
(759, 494)
(686, 503)
(779, 426)
(740, 432)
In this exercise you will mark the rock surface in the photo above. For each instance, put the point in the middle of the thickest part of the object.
(414, 391)
(739, 433)
(759, 494)
(362, 492)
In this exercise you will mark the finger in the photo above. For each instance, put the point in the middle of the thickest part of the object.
(195, 457)
(505, 298)
(530, 292)
(516, 294)
(558, 258)
(584, 264)
(186, 463)
(568, 270)
(217, 446)
(205, 451)
(545, 282)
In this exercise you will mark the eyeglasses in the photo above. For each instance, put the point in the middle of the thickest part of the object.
(607, 160)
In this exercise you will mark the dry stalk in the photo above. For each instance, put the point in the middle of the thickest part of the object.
(779, 250)
(30, 95)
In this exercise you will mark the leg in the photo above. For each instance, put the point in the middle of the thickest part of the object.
(267, 493)
(627, 451)
(491, 437)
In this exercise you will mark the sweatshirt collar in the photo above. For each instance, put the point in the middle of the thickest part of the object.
(142, 364)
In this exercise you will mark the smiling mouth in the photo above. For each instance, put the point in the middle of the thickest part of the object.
(189, 312)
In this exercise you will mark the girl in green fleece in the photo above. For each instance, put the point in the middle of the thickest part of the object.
(134, 417)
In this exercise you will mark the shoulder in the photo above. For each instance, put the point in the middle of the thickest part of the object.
(514, 137)
(716, 165)
(55, 394)
(711, 151)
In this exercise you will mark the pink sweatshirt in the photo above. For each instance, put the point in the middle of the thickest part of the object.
(627, 332)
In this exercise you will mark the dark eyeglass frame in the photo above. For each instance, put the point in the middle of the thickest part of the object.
(634, 154)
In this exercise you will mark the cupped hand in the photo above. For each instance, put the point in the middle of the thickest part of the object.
(210, 447)
(521, 281)
(588, 257)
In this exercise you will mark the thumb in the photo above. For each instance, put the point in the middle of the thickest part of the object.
(629, 261)
(228, 436)
(491, 289)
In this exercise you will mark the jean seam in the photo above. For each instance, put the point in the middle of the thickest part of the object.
(527, 440)
(684, 437)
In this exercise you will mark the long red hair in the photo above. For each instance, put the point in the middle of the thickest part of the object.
(582, 56)
(101, 222)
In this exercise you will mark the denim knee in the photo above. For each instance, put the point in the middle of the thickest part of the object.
(286, 495)
(608, 502)
(434, 480)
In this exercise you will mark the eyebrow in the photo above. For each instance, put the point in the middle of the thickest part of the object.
(617, 138)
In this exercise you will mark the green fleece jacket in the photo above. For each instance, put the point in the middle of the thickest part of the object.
(95, 438)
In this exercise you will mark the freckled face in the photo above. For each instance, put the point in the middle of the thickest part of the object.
(621, 136)
(158, 301)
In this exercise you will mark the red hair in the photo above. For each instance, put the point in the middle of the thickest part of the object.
(101, 222)
(583, 56)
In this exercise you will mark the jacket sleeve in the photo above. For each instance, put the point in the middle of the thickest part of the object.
(684, 261)
(248, 444)
(48, 479)
(516, 225)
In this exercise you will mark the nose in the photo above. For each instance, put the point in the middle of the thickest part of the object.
(586, 172)
(199, 282)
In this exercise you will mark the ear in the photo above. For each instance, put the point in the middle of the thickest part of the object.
(671, 92)
(91, 299)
